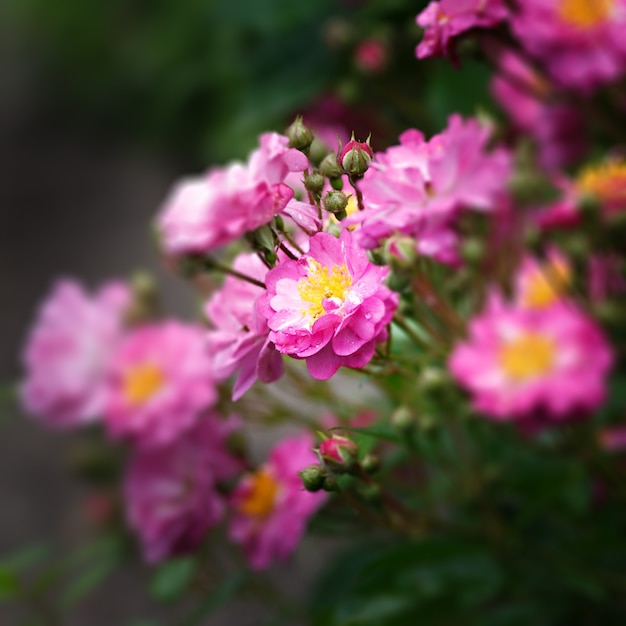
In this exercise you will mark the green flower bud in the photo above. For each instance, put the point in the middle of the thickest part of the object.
(300, 136)
(330, 167)
(313, 477)
(335, 201)
(315, 182)
(370, 463)
(403, 419)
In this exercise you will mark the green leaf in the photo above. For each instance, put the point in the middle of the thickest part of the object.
(27, 557)
(88, 581)
(172, 578)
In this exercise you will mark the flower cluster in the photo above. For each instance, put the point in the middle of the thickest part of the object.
(434, 289)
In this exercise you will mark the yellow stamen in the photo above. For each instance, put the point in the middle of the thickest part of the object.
(606, 182)
(323, 283)
(528, 356)
(142, 382)
(260, 500)
(547, 284)
(585, 13)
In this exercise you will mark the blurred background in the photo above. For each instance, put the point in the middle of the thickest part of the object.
(103, 105)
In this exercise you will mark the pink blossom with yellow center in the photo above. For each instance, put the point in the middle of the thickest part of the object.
(160, 380)
(580, 42)
(329, 307)
(270, 507)
(537, 364)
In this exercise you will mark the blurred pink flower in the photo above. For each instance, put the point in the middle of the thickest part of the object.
(240, 338)
(207, 212)
(558, 128)
(371, 55)
(581, 42)
(328, 307)
(540, 284)
(443, 21)
(170, 492)
(521, 363)
(417, 188)
(160, 380)
(271, 508)
(68, 351)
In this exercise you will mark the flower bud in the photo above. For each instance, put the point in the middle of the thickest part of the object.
(335, 202)
(355, 157)
(403, 419)
(300, 136)
(315, 182)
(330, 167)
(472, 250)
(313, 477)
(400, 251)
(370, 463)
(339, 452)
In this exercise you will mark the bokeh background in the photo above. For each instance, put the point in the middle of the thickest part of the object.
(102, 106)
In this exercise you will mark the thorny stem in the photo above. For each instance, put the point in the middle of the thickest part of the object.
(423, 286)
(292, 242)
(212, 264)
(357, 506)
(398, 320)
(287, 251)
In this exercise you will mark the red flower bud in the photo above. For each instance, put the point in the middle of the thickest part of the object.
(339, 452)
(355, 157)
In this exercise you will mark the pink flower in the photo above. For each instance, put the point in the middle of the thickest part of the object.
(529, 101)
(530, 364)
(581, 42)
(271, 507)
(207, 212)
(240, 339)
(68, 351)
(170, 492)
(160, 380)
(328, 307)
(444, 21)
(543, 284)
(371, 55)
(418, 187)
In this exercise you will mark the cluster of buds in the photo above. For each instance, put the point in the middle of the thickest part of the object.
(337, 455)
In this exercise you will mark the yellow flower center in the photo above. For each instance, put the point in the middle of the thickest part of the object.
(585, 13)
(323, 283)
(527, 356)
(142, 382)
(260, 500)
(547, 284)
(606, 182)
